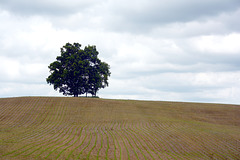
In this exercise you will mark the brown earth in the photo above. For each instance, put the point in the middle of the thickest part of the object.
(87, 128)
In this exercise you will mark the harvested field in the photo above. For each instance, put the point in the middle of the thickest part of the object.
(87, 128)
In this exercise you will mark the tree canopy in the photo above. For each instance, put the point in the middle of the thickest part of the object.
(78, 71)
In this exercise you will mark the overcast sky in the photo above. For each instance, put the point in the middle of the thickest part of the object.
(170, 50)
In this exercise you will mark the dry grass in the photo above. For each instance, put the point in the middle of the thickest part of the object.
(85, 128)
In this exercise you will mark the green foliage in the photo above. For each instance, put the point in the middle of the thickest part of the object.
(78, 71)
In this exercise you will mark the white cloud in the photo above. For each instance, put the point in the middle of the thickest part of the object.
(206, 86)
(10, 69)
(25, 89)
(157, 50)
(144, 15)
(218, 44)
(45, 7)
(217, 79)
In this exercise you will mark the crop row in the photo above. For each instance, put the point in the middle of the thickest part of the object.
(48, 128)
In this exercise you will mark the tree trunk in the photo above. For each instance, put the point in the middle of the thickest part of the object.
(75, 95)
(86, 94)
(95, 93)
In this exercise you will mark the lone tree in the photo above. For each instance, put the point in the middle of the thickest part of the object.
(78, 71)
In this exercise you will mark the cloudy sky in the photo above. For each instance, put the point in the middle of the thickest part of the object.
(171, 50)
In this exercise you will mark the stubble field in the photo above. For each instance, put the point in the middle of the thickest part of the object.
(87, 128)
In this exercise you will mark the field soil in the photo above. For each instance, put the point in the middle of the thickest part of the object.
(89, 128)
